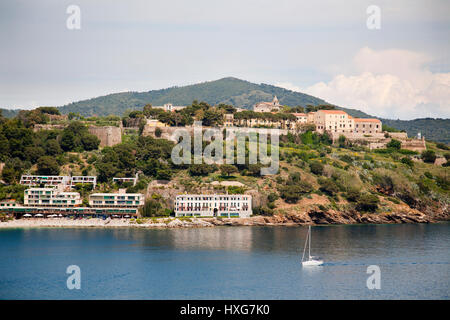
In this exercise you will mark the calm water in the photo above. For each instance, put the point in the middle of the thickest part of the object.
(226, 263)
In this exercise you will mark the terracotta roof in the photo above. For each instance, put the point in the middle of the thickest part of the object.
(333, 111)
(299, 114)
(366, 120)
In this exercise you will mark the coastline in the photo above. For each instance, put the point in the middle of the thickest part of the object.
(308, 218)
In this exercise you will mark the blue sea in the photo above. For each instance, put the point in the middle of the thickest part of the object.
(226, 263)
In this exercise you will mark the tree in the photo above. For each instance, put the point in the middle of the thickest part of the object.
(293, 192)
(90, 142)
(47, 166)
(201, 169)
(428, 156)
(342, 141)
(328, 186)
(407, 161)
(34, 153)
(163, 174)
(68, 141)
(316, 167)
(367, 202)
(227, 169)
(394, 144)
(52, 147)
(151, 208)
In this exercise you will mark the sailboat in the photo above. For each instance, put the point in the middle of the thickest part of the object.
(311, 260)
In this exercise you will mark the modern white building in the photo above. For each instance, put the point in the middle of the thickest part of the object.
(121, 199)
(51, 197)
(30, 180)
(128, 179)
(224, 205)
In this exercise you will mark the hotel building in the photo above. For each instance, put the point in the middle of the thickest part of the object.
(226, 205)
(51, 197)
(121, 199)
(30, 180)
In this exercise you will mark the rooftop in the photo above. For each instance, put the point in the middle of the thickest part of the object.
(366, 120)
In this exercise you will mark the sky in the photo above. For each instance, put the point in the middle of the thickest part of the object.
(323, 48)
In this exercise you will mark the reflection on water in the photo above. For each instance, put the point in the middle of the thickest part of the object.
(227, 262)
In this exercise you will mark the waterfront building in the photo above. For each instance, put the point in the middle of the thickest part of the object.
(51, 197)
(225, 205)
(8, 204)
(121, 199)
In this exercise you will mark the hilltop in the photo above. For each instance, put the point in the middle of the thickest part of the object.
(239, 93)
(233, 91)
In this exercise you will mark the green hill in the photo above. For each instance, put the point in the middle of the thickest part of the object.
(232, 91)
(236, 92)
(432, 129)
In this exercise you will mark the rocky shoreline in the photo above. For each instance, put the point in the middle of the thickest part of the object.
(313, 217)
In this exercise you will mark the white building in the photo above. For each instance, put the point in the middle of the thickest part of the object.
(128, 179)
(273, 106)
(30, 180)
(51, 197)
(225, 205)
(168, 107)
(120, 199)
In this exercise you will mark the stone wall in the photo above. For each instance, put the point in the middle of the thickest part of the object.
(39, 127)
(109, 135)
(414, 144)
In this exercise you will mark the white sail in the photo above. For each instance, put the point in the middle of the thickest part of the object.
(311, 261)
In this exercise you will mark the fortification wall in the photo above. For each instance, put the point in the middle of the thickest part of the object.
(167, 132)
(414, 145)
(39, 127)
(109, 136)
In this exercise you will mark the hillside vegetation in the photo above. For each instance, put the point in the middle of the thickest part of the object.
(314, 173)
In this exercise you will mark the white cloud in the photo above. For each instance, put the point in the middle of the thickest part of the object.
(388, 83)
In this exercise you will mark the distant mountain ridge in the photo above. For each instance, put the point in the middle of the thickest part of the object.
(239, 93)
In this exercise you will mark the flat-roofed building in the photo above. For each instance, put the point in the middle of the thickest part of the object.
(168, 107)
(301, 117)
(367, 126)
(228, 120)
(51, 197)
(30, 180)
(126, 180)
(121, 199)
(333, 121)
(83, 180)
(225, 205)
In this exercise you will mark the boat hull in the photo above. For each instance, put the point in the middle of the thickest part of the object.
(311, 263)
